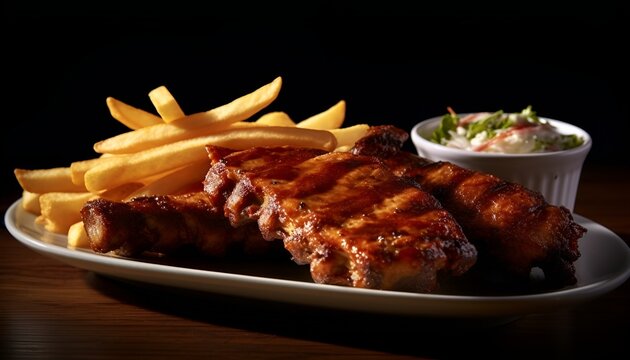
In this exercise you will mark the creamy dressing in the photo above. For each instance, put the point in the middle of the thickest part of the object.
(509, 133)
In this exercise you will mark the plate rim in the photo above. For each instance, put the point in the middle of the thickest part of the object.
(344, 298)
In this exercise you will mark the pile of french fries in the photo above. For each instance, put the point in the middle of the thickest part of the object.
(165, 154)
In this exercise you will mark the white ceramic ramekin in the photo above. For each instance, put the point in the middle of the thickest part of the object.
(555, 175)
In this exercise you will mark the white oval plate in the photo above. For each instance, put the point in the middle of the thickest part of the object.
(603, 266)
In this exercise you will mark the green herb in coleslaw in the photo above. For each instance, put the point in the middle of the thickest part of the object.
(500, 132)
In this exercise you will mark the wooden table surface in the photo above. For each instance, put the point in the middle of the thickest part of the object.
(49, 310)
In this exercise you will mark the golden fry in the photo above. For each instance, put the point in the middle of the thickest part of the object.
(30, 202)
(79, 168)
(165, 104)
(166, 154)
(130, 116)
(120, 192)
(123, 169)
(60, 210)
(175, 182)
(200, 124)
(276, 118)
(40, 220)
(77, 236)
(47, 180)
(331, 118)
(346, 137)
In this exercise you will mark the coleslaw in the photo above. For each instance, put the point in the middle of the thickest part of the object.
(500, 132)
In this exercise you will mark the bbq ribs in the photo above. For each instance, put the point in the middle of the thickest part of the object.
(167, 224)
(375, 217)
(513, 228)
(348, 216)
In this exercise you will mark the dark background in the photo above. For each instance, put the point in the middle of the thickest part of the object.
(393, 63)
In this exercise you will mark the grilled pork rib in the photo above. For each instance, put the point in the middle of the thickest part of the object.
(348, 216)
(356, 219)
(513, 228)
(166, 224)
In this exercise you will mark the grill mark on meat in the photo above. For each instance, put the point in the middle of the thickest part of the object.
(167, 224)
(347, 216)
(509, 224)
(513, 228)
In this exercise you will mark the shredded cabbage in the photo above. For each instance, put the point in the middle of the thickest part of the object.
(500, 132)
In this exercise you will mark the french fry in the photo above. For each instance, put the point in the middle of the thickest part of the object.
(276, 118)
(194, 125)
(40, 220)
(165, 104)
(346, 137)
(130, 116)
(30, 202)
(183, 178)
(77, 236)
(167, 154)
(118, 170)
(47, 180)
(120, 192)
(60, 210)
(332, 118)
(79, 168)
